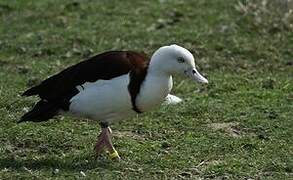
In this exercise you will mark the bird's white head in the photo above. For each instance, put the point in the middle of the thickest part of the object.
(175, 59)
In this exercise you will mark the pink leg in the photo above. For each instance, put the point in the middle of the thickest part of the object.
(104, 141)
(100, 142)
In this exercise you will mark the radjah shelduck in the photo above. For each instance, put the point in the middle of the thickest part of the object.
(112, 86)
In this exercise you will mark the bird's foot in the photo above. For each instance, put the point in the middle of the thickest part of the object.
(104, 142)
(114, 155)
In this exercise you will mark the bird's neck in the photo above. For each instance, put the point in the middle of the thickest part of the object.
(158, 79)
(157, 85)
(156, 68)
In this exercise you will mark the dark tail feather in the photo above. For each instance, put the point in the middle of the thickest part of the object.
(42, 111)
(32, 91)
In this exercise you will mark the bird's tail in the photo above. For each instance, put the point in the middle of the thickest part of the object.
(42, 111)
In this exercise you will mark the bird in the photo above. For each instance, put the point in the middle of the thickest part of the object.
(112, 86)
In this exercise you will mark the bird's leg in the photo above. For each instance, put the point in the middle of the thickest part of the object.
(109, 146)
(104, 141)
(100, 142)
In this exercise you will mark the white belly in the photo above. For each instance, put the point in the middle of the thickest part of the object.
(105, 100)
(109, 100)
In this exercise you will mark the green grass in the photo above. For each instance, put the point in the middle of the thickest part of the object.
(237, 127)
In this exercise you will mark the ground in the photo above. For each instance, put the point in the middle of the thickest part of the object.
(237, 127)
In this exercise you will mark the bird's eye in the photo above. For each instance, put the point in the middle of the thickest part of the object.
(181, 60)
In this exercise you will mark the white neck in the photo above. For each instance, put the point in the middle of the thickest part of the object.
(155, 88)
(157, 68)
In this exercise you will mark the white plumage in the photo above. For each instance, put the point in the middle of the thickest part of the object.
(104, 100)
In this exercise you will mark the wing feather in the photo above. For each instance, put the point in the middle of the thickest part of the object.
(62, 86)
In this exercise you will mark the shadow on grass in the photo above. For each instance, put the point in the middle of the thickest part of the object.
(69, 163)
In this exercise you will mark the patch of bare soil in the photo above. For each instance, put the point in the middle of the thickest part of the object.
(231, 128)
(121, 134)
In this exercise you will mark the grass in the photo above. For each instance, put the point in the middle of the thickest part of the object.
(238, 127)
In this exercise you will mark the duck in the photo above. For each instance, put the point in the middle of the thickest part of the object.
(112, 86)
